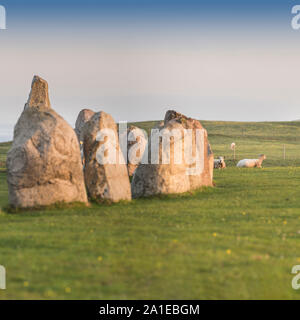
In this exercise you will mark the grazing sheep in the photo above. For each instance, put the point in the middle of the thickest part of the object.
(220, 163)
(251, 163)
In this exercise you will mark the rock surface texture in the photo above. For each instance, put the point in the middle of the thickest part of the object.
(136, 145)
(181, 175)
(83, 117)
(44, 163)
(104, 180)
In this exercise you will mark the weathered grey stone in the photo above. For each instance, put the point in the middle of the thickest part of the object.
(44, 164)
(108, 181)
(83, 117)
(150, 179)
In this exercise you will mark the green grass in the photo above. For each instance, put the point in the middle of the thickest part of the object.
(4, 147)
(238, 240)
(254, 138)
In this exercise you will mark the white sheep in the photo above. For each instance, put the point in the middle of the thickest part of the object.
(220, 163)
(251, 163)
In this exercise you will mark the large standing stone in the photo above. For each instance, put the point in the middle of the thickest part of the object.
(44, 164)
(175, 176)
(136, 145)
(83, 117)
(104, 181)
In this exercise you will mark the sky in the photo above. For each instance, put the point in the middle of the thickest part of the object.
(212, 59)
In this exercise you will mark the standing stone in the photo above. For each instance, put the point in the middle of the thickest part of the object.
(104, 181)
(44, 164)
(83, 117)
(136, 145)
(39, 94)
(175, 176)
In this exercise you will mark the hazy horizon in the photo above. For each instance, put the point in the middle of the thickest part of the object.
(6, 131)
(136, 59)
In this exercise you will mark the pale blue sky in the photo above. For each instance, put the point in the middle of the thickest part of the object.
(222, 60)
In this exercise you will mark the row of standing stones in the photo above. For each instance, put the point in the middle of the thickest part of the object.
(44, 164)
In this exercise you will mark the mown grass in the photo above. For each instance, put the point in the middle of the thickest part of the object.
(238, 240)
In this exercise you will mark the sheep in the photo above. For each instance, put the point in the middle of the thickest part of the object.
(252, 163)
(219, 163)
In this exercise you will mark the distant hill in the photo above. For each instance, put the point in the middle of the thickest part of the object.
(251, 138)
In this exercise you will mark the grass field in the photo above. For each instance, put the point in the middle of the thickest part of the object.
(238, 240)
